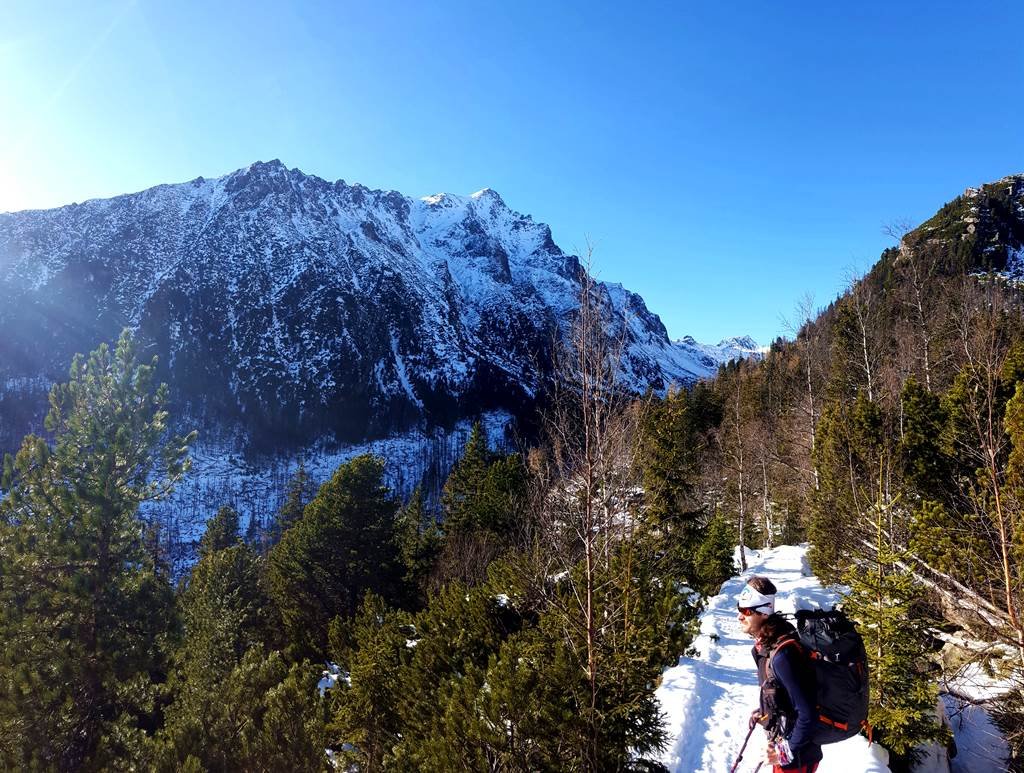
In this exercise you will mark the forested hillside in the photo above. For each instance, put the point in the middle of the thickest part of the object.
(890, 433)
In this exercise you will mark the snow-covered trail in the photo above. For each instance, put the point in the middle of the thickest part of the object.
(707, 699)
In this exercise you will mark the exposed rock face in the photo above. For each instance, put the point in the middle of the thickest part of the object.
(980, 231)
(292, 307)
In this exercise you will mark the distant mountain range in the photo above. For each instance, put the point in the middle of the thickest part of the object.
(287, 308)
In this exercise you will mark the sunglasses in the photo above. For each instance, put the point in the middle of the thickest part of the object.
(748, 611)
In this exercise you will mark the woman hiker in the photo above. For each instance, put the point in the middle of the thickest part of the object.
(787, 709)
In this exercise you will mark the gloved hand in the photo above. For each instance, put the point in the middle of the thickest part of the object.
(755, 718)
(779, 752)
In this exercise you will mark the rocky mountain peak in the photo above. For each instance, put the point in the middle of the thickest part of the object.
(980, 231)
(292, 306)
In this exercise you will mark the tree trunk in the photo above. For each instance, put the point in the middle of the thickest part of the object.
(766, 503)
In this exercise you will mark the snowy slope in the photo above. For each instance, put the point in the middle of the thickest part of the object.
(289, 304)
(689, 356)
(707, 699)
(220, 475)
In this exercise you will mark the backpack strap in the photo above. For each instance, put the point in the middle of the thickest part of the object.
(770, 665)
(781, 645)
(774, 724)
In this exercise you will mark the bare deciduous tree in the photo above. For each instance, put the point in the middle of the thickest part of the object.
(981, 322)
(587, 484)
(736, 445)
(864, 350)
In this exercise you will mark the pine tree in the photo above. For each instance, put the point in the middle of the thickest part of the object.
(366, 725)
(1008, 709)
(511, 714)
(713, 562)
(287, 729)
(666, 441)
(523, 701)
(985, 431)
(458, 631)
(855, 459)
(221, 532)
(465, 484)
(924, 460)
(882, 601)
(266, 716)
(484, 492)
(585, 535)
(672, 444)
(650, 623)
(503, 496)
(344, 545)
(256, 532)
(903, 699)
(483, 505)
(83, 611)
(419, 543)
(300, 491)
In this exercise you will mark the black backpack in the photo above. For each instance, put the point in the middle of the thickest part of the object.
(840, 663)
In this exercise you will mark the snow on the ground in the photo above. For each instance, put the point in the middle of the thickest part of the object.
(331, 676)
(980, 744)
(707, 699)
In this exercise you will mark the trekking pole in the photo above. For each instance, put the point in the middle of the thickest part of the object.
(743, 748)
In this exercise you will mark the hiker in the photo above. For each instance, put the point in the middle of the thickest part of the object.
(787, 709)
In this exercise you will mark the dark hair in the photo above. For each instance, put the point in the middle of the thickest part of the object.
(774, 627)
(762, 585)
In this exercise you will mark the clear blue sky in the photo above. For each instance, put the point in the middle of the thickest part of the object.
(724, 158)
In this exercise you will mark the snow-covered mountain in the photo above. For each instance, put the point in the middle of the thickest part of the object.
(295, 306)
(706, 358)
